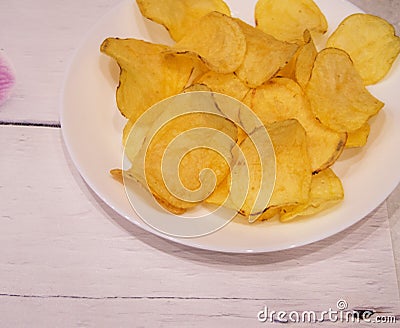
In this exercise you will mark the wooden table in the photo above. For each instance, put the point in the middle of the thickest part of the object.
(68, 260)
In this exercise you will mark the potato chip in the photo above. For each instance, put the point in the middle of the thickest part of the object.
(371, 43)
(118, 175)
(326, 191)
(300, 66)
(197, 87)
(270, 213)
(293, 171)
(281, 99)
(228, 84)
(169, 207)
(304, 63)
(359, 137)
(218, 40)
(337, 93)
(260, 170)
(179, 16)
(265, 55)
(190, 165)
(288, 19)
(148, 75)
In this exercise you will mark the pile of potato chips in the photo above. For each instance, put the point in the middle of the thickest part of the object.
(313, 103)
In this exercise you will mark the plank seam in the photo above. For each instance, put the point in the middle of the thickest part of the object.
(31, 124)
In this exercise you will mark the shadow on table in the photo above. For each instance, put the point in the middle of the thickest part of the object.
(314, 252)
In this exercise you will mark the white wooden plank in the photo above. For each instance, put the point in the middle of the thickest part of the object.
(393, 204)
(174, 312)
(59, 240)
(40, 37)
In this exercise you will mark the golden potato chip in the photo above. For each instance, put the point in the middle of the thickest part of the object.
(337, 93)
(288, 19)
(281, 99)
(326, 191)
(249, 186)
(270, 213)
(251, 207)
(265, 55)
(300, 66)
(169, 207)
(288, 69)
(371, 43)
(218, 40)
(293, 167)
(293, 172)
(304, 63)
(179, 16)
(117, 174)
(190, 166)
(197, 87)
(358, 138)
(148, 75)
(124, 176)
(228, 84)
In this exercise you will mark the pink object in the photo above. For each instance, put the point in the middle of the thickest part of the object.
(7, 79)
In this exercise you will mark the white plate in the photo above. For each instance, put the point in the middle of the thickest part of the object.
(92, 125)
